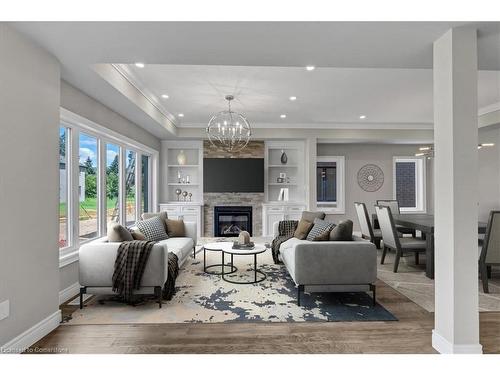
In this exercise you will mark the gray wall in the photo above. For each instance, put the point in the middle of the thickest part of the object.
(489, 173)
(356, 156)
(77, 102)
(29, 189)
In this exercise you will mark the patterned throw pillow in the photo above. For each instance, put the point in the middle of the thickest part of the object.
(319, 228)
(153, 229)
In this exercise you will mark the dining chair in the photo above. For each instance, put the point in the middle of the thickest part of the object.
(401, 245)
(490, 250)
(393, 204)
(367, 231)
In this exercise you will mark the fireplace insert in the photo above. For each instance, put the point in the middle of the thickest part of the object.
(229, 221)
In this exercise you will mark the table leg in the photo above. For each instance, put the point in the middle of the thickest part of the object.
(204, 260)
(231, 262)
(429, 255)
(223, 265)
(255, 267)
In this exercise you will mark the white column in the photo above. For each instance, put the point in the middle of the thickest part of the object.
(456, 137)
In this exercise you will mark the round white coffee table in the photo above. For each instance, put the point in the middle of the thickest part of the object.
(219, 247)
(258, 249)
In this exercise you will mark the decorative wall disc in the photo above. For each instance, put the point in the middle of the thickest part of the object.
(370, 177)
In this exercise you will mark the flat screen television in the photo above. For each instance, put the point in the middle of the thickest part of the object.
(233, 175)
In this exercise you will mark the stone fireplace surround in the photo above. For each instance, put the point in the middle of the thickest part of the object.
(254, 149)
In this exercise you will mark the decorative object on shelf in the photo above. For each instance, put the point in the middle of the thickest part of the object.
(187, 179)
(370, 177)
(184, 194)
(229, 130)
(280, 180)
(183, 180)
(190, 195)
(244, 237)
(179, 176)
(178, 192)
(282, 175)
(284, 194)
(181, 158)
(284, 157)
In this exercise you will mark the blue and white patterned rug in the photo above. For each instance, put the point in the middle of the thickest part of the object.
(204, 298)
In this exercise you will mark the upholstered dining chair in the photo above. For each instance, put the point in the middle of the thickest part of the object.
(401, 245)
(490, 250)
(367, 231)
(394, 206)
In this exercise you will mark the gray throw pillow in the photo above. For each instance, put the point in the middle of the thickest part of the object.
(153, 229)
(118, 233)
(163, 215)
(342, 231)
(319, 228)
(311, 215)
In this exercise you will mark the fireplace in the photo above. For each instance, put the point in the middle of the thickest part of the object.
(229, 221)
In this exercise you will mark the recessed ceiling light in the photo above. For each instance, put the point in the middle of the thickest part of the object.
(283, 116)
(425, 148)
(164, 96)
(139, 64)
(293, 98)
(362, 117)
(310, 68)
(487, 144)
(181, 115)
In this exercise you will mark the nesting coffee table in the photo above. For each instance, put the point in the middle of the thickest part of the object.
(227, 249)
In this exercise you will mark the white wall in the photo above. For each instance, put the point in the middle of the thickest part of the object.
(29, 194)
(358, 155)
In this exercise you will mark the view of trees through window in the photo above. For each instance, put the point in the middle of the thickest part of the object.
(63, 188)
(130, 163)
(87, 187)
(112, 183)
(145, 183)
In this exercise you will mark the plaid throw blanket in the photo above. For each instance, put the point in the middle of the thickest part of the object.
(130, 263)
(286, 228)
(173, 271)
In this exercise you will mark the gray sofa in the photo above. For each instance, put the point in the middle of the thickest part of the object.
(97, 260)
(330, 266)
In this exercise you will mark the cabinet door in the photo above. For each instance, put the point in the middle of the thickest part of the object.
(271, 219)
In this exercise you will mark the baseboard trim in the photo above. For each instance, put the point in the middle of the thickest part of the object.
(32, 335)
(66, 294)
(443, 346)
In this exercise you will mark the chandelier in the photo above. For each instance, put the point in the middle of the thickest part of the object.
(229, 130)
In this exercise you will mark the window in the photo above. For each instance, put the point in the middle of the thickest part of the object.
(112, 183)
(145, 184)
(130, 191)
(409, 183)
(99, 181)
(330, 183)
(88, 187)
(63, 186)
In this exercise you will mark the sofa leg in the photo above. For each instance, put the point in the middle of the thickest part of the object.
(376, 241)
(194, 252)
(83, 290)
(384, 252)
(373, 288)
(158, 295)
(300, 288)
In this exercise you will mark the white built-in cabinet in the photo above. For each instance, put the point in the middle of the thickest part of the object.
(275, 210)
(175, 176)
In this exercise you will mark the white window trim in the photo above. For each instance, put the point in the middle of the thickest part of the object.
(340, 206)
(75, 124)
(420, 182)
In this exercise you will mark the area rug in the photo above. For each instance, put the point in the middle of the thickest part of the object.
(204, 298)
(410, 280)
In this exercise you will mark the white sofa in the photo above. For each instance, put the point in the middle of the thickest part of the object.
(330, 266)
(97, 260)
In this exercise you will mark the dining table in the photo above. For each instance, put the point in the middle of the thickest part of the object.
(425, 224)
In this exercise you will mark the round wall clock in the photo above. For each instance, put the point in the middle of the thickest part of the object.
(370, 177)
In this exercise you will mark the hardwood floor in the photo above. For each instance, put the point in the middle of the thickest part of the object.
(411, 334)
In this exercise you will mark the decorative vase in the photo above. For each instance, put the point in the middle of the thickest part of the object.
(181, 158)
(284, 157)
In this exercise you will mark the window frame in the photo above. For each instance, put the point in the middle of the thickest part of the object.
(420, 183)
(74, 125)
(339, 208)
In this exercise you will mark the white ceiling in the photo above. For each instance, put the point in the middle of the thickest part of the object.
(326, 97)
(263, 60)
